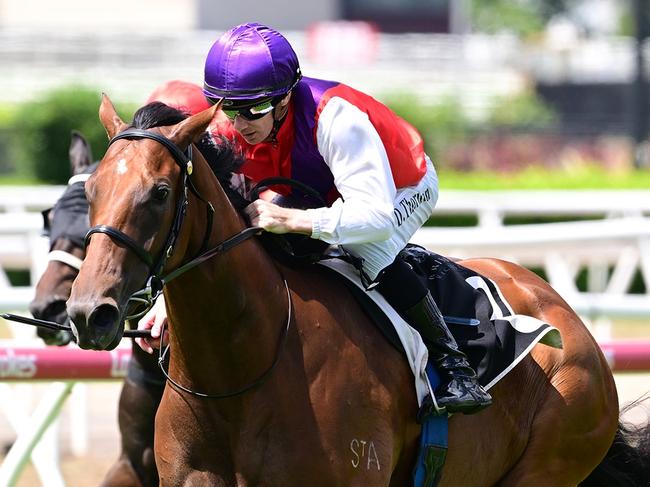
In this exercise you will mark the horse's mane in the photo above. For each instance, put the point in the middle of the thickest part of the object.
(221, 153)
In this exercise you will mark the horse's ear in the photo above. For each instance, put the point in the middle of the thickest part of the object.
(80, 154)
(190, 129)
(109, 117)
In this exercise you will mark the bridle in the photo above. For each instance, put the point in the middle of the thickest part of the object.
(62, 255)
(155, 282)
(65, 258)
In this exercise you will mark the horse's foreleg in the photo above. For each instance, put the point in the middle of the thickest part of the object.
(137, 411)
(121, 474)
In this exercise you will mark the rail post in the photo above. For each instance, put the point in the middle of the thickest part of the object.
(44, 414)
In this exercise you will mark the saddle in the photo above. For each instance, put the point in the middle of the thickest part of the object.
(487, 330)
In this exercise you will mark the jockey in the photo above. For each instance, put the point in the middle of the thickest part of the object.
(367, 164)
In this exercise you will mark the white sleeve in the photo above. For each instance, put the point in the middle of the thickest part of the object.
(351, 147)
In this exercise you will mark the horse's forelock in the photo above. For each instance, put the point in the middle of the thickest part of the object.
(157, 114)
(221, 153)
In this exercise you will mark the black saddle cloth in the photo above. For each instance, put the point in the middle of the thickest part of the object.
(484, 325)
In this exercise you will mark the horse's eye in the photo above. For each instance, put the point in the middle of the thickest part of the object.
(161, 193)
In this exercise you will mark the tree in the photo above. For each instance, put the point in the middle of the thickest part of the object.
(522, 17)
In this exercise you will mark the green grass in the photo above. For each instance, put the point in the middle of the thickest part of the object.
(587, 177)
(19, 180)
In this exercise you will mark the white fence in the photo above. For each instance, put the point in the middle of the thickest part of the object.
(613, 248)
(562, 249)
(491, 207)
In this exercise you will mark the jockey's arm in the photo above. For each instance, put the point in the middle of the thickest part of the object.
(355, 154)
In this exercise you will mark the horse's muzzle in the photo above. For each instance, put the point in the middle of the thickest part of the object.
(51, 309)
(97, 327)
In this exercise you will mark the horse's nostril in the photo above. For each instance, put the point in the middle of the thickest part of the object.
(103, 319)
(95, 327)
(50, 311)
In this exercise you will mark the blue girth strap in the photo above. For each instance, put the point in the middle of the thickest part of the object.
(433, 443)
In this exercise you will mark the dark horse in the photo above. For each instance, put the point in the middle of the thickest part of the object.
(67, 224)
(277, 371)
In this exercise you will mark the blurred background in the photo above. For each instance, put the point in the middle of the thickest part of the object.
(493, 85)
(535, 112)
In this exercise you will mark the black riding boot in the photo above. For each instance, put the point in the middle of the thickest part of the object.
(459, 391)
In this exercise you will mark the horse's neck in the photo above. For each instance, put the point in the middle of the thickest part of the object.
(227, 313)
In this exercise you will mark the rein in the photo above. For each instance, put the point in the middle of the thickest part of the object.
(54, 326)
(75, 263)
(155, 283)
(256, 383)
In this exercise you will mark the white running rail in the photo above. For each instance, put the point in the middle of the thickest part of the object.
(614, 247)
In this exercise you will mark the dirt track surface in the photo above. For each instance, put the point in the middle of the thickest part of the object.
(103, 446)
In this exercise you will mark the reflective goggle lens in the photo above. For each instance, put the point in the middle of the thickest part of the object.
(251, 113)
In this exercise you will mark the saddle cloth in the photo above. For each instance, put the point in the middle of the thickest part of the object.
(487, 330)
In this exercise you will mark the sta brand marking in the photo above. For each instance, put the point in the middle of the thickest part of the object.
(364, 454)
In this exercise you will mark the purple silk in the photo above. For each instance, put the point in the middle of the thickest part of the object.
(250, 61)
(307, 164)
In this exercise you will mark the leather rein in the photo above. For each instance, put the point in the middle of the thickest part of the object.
(155, 282)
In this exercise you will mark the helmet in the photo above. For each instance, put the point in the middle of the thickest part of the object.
(182, 95)
(250, 62)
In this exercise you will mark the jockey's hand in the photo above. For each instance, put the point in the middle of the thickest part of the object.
(154, 320)
(276, 219)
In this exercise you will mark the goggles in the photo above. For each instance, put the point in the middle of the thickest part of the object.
(254, 112)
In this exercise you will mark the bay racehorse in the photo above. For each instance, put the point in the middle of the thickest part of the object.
(276, 372)
(66, 225)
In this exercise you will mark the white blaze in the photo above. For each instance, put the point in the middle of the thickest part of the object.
(121, 166)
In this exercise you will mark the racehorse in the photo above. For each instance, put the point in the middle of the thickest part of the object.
(275, 372)
(67, 224)
(66, 245)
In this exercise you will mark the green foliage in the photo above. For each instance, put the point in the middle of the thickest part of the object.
(521, 17)
(584, 177)
(440, 124)
(521, 111)
(7, 116)
(444, 124)
(42, 131)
